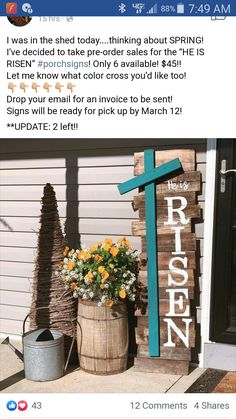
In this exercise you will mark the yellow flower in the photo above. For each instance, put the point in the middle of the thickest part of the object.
(122, 293)
(108, 241)
(92, 248)
(83, 255)
(70, 265)
(102, 286)
(97, 258)
(127, 244)
(111, 265)
(105, 275)
(109, 303)
(99, 244)
(80, 255)
(124, 242)
(101, 269)
(73, 286)
(106, 247)
(72, 251)
(65, 251)
(87, 255)
(89, 276)
(114, 251)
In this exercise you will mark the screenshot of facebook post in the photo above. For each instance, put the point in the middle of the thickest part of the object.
(117, 209)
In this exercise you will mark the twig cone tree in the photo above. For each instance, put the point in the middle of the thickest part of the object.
(48, 290)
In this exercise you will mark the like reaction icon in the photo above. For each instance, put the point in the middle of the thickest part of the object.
(22, 405)
(11, 405)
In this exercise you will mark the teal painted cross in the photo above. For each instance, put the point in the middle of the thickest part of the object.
(148, 179)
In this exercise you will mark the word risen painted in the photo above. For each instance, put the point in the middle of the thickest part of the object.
(175, 258)
(177, 308)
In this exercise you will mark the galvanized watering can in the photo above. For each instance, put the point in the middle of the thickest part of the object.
(43, 352)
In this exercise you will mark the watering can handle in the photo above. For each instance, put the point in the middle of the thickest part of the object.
(64, 321)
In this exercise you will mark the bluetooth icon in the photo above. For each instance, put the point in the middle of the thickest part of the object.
(122, 8)
(11, 405)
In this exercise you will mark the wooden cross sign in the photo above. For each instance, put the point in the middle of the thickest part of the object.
(165, 331)
(148, 180)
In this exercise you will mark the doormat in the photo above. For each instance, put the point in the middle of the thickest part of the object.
(207, 382)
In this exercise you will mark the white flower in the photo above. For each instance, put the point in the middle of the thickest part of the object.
(124, 275)
(91, 294)
(85, 297)
(65, 260)
(99, 304)
(75, 294)
(94, 273)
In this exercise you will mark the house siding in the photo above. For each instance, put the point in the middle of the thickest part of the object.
(84, 174)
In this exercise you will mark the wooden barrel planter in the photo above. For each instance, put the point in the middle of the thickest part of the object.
(102, 334)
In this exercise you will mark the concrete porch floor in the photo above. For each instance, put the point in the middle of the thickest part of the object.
(77, 381)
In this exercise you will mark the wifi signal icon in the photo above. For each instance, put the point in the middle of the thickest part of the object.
(153, 10)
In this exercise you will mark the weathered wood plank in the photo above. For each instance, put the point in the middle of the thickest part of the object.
(164, 307)
(166, 242)
(191, 212)
(163, 282)
(141, 332)
(187, 158)
(150, 176)
(164, 258)
(139, 228)
(139, 200)
(183, 354)
(162, 366)
(188, 182)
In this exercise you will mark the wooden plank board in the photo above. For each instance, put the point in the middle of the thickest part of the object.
(139, 200)
(141, 332)
(161, 366)
(163, 282)
(151, 176)
(187, 158)
(164, 307)
(188, 182)
(164, 258)
(139, 228)
(183, 354)
(191, 212)
(166, 242)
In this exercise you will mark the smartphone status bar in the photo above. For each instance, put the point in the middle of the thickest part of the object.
(122, 8)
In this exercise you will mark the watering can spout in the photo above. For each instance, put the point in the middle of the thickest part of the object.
(17, 352)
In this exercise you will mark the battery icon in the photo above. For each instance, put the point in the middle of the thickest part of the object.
(180, 8)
